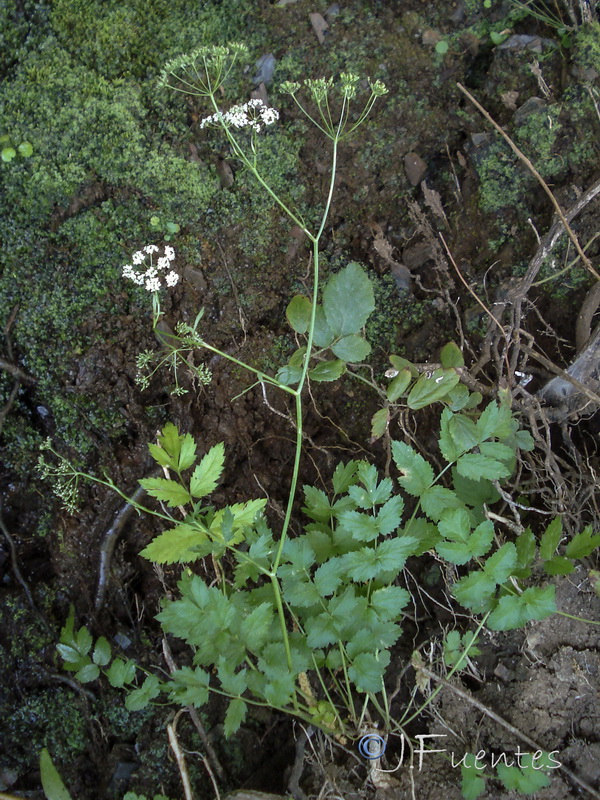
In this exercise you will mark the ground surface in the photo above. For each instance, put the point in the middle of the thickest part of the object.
(243, 263)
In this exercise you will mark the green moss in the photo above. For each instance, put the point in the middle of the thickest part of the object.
(586, 51)
(383, 324)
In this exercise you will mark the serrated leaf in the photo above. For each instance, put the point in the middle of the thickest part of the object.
(207, 474)
(526, 547)
(474, 493)
(455, 525)
(348, 300)
(526, 779)
(88, 673)
(362, 527)
(187, 454)
(327, 371)
(551, 539)
(417, 474)
(161, 456)
(68, 653)
(463, 431)
(189, 686)
(487, 422)
(399, 385)
(343, 476)
(388, 556)
(317, 505)
(437, 499)
(458, 398)
(583, 544)
(236, 714)
(472, 783)
(121, 672)
(352, 348)
(559, 565)
(501, 564)
(84, 641)
(328, 577)
(176, 546)
(515, 611)
(476, 465)
(138, 699)
(389, 601)
(298, 313)
(102, 652)
(243, 515)
(524, 441)
(254, 629)
(475, 591)
(431, 387)
(448, 447)
(169, 492)
(379, 423)
(366, 671)
(52, 783)
(451, 356)
(389, 515)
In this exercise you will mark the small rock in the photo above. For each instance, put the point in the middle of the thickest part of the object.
(415, 168)
(196, 278)
(266, 67)
(332, 12)
(225, 174)
(522, 41)
(530, 106)
(477, 139)
(402, 277)
(320, 27)
(503, 673)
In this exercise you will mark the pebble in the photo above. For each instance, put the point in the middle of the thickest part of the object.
(415, 168)
(266, 67)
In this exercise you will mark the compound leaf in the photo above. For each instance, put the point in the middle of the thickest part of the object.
(140, 698)
(121, 672)
(514, 611)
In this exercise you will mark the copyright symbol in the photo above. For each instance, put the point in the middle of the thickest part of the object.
(371, 746)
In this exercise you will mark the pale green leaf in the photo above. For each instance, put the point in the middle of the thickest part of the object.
(476, 466)
(121, 672)
(343, 476)
(298, 313)
(416, 473)
(327, 371)
(187, 454)
(236, 714)
(352, 348)
(176, 545)
(551, 539)
(88, 673)
(451, 356)
(322, 334)
(583, 544)
(501, 564)
(348, 300)
(52, 783)
(138, 699)
(169, 492)
(379, 423)
(431, 387)
(207, 474)
(102, 652)
(399, 385)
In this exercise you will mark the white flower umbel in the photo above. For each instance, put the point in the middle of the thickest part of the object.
(253, 114)
(152, 277)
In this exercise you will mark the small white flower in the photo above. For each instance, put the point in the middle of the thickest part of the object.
(151, 248)
(153, 284)
(169, 252)
(163, 263)
(172, 278)
(138, 258)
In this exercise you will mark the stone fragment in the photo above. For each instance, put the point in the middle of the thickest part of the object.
(415, 168)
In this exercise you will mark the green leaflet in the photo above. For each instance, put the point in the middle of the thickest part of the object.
(514, 611)
(236, 714)
(327, 371)
(121, 672)
(189, 686)
(367, 671)
(52, 783)
(298, 313)
(177, 545)
(174, 451)
(583, 544)
(170, 492)
(348, 300)
(208, 472)
(417, 474)
(431, 387)
(529, 777)
(451, 356)
(351, 348)
(138, 699)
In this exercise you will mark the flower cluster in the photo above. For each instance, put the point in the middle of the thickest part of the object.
(151, 277)
(253, 114)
